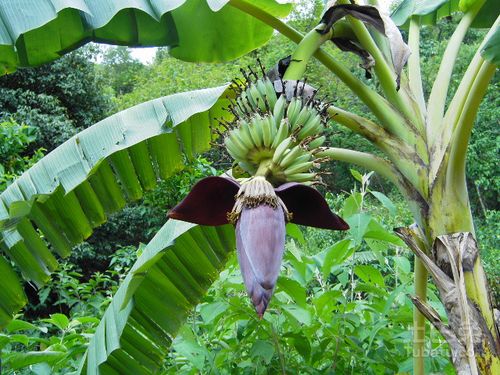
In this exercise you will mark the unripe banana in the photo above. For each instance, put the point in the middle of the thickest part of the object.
(280, 150)
(291, 156)
(302, 177)
(258, 100)
(234, 150)
(256, 131)
(269, 102)
(317, 142)
(246, 137)
(266, 131)
(298, 168)
(293, 110)
(270, 92)
(249, 99)
(279, 109)
(303, 117)
(302, 159)
(281, 133)
(234, 136)
(244, 102)
(311, 127)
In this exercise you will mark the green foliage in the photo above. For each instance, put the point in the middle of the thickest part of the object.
(171, 191)
(120, 70)
(138, 222)
(488, 235)
(15, 139)
(347, 299)
(483, 170)
(59, 98)
(340, 295)
(55, 344)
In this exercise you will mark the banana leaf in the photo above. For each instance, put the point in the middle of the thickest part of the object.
(57, 203)
(33, 32)
(167, 281)
(430, 11)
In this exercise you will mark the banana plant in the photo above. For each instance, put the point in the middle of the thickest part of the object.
(423, 140)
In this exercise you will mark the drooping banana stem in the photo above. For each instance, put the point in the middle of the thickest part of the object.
(363, 159)
(303, 53)
(264, 168)
(377, 104)
(384, 72)
(414, 73)
(420, 278)
(437, 97)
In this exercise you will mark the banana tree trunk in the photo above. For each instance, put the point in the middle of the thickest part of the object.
(425, 144)
(447, 250)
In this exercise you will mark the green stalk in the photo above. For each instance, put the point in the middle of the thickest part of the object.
(414, 74)
(303, 53)
(377, 104)
(264, 168)
(404, 157)
(420, 277)
(456, 165)
(360, 125)
(363, 159)
(420, 272)
(458, 101)
(384, 168)
(382, 69)
(437, 98)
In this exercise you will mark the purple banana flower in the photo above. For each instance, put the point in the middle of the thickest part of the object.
(260, 213)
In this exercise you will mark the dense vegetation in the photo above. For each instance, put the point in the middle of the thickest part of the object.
(336, 293)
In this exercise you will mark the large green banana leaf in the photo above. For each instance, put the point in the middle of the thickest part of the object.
(57, 203)
(430, 11)
(169, 278)
(33, 32)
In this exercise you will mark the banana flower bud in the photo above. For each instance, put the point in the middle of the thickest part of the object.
(259, 212)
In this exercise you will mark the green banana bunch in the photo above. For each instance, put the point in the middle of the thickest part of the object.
(269, 130)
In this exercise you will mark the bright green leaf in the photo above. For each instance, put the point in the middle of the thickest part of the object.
(491, 49)
(352, 205)
(19, 360)
(358, 176)
(402, 263)
(386, 202)
(335, 255)
(262, 349)
(430, 11)
(192, 30)
(294, 231)
(211, 311)
(301, 314)
(61, 321)
(20, 325)
(358, 224)
(291, 287)
(369, 274)
(187, 345)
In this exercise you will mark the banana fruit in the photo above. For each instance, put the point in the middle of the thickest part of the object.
(271, 129)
